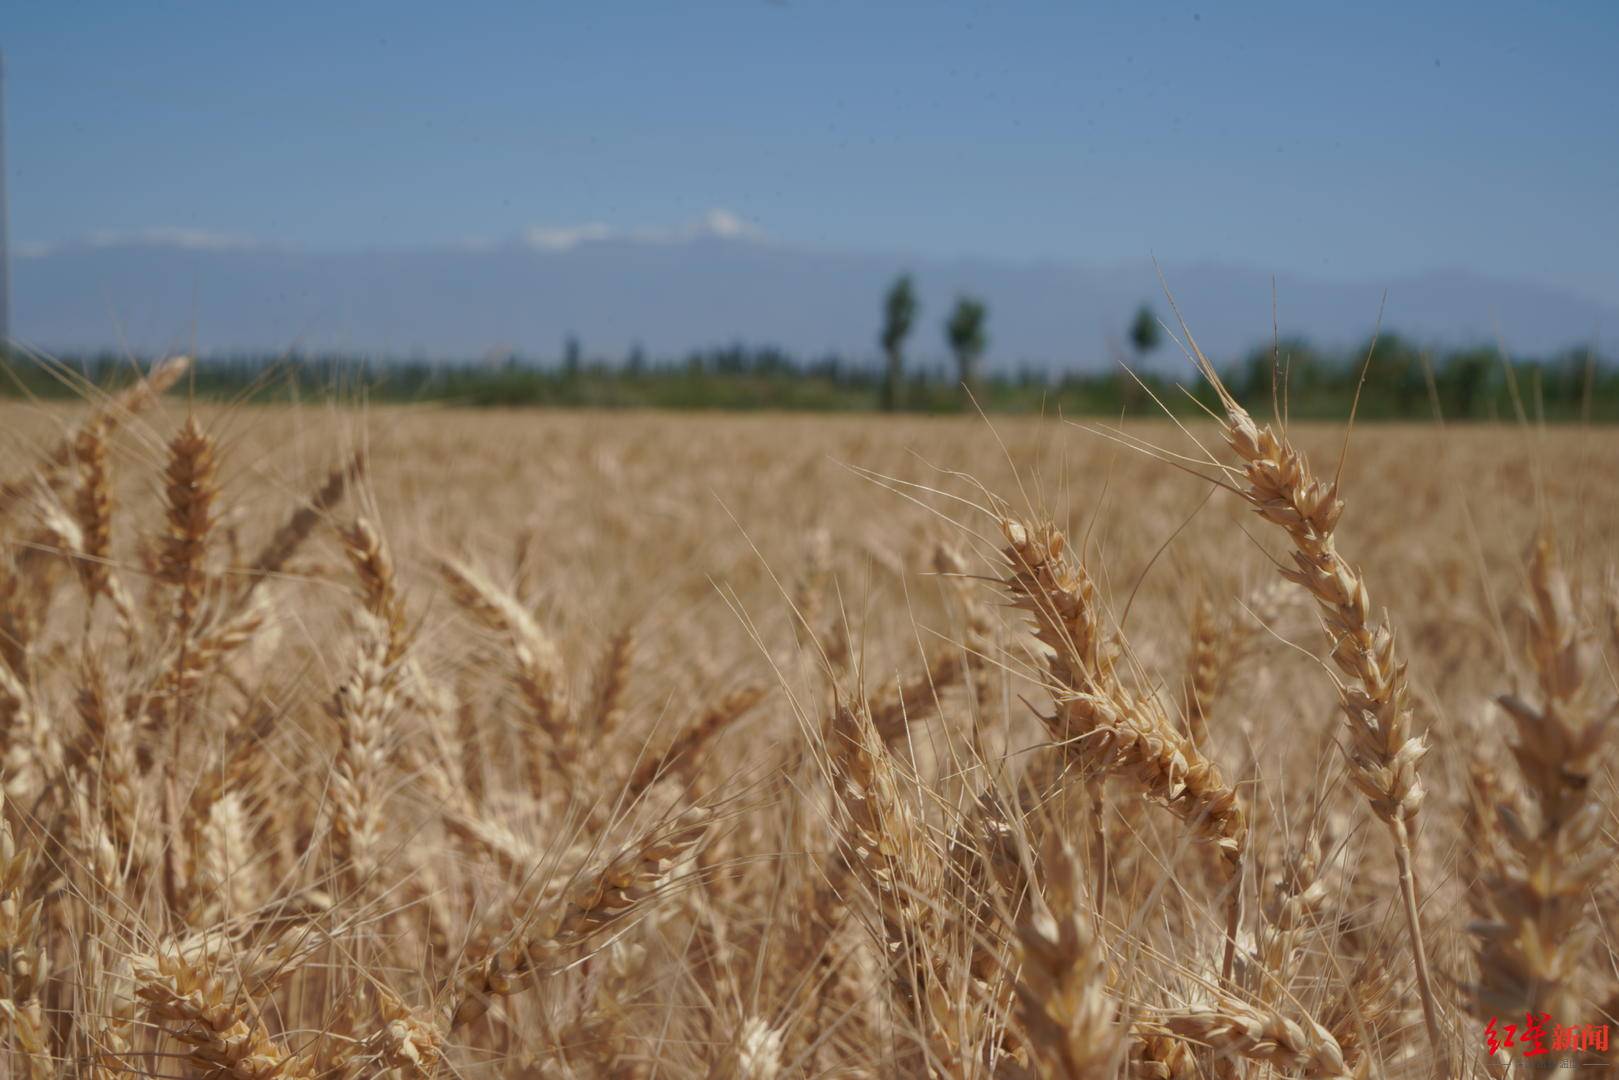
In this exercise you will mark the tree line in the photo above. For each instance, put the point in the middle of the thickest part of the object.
(1394, 377)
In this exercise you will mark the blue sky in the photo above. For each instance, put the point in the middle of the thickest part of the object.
(1349, 140)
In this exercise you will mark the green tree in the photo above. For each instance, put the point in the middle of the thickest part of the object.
(572, 357)
(1394, 383)
(1144, 337)
(899, 315)
(965, 332)
(1467, 376)
(1145, 333)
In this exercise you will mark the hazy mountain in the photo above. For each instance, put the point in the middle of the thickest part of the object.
(712, 285)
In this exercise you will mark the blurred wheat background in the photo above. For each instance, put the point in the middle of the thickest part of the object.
(424, 742)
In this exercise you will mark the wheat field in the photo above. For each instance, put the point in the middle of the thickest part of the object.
(422, 742)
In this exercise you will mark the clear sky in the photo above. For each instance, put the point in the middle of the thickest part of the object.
(1347, 139)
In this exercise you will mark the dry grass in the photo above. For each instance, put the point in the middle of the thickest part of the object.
(429, 743)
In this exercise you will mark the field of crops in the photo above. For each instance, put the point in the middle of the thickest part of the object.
(422, 742)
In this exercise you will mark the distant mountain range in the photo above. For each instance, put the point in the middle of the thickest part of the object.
(711, 285)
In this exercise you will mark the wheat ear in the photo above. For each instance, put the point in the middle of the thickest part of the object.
(191, 487)
(374, 568)
(1107, 727)
(1203, 675)
(1232, 1027)
(540, 677)
(197, 1007)
(361, 708)
(1384, 750)
(404, 1043)
(1541, 866)
(596, 903)
(681, 753)
(26, 967)
(886, 843)
(1071, 1023)
(93, 507)
(107, 418)
(902, 704)
(612, 680)
(296, 529)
